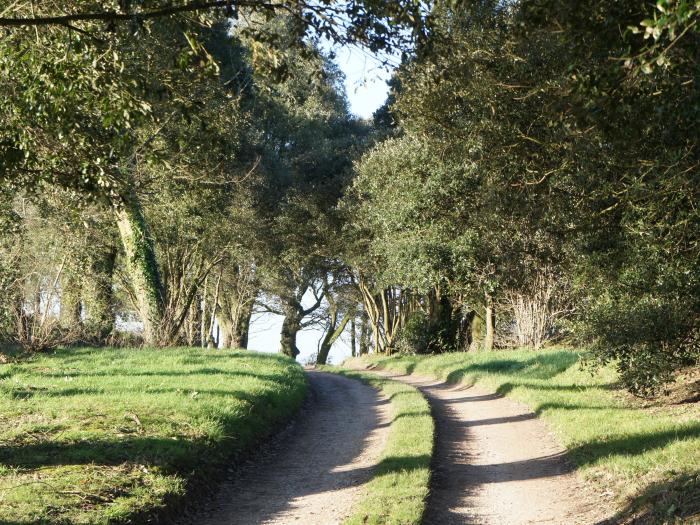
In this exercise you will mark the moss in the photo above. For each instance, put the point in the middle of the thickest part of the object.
(142, 266)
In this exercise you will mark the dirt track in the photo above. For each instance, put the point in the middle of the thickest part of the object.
(316, 471)
(496, 463)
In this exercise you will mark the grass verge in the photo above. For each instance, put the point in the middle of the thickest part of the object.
(643, 456)
(398, 490)
(94, 436)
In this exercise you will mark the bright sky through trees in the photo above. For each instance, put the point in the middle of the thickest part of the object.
(366, 87)
(365, 80)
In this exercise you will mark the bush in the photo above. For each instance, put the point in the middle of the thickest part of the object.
(415, 337)
(648, 339)
(421, 336)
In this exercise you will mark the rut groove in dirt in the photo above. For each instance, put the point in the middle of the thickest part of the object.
(496, 463)
(315, 471)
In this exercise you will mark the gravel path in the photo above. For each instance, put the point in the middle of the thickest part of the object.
(316, 470)
(496, 463)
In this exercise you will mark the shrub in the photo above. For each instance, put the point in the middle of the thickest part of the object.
(415, 337)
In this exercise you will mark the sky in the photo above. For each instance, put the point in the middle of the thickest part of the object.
(265, 337)
(365, 80)
(365, 84)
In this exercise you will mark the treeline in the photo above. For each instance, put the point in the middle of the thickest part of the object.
(533, 177)
(540, 180)
(172, 173)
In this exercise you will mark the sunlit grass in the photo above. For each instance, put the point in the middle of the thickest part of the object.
(397, 493)
(93, 436)
(638, 454)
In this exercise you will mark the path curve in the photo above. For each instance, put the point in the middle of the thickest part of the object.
(496, 463)
(315, 470)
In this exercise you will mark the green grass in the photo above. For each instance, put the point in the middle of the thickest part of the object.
(398, 490)
(92, 436)
(645, 457)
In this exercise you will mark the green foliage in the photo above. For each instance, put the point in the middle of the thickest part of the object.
(671, 22)
(411, 235)
(422, 335)
(524, 144)
(130, 430)
(375, 24)
(415, 336)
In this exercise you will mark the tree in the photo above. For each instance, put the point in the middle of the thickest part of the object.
(377, 24)
(135, 101)
(555, 154)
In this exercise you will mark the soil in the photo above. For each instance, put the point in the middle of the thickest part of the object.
(496, 463)
(315, 471)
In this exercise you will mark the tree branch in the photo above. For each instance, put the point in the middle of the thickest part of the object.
(113, 16)
(315, 306)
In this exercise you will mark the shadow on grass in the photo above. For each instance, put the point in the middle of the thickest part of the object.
(253, 399)
(119, 372)
(544, 407)
(676, 500)
(409, 363)
(401, 464)
(632, 445)
(172, 455)
(507, 388)
(395, 395)
(411, 415)
(25, 392)
(540, 366)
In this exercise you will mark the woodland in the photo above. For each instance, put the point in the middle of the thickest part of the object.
(533, 177)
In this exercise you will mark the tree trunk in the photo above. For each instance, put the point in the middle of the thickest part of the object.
(364, 334)
(194, 320)
(331, 337)
(466, 327)
(290, 327)
(241, 333)
(294, 314)
(142, 266)
(490, 320)
(323, 351)
(353, 342)
(212, 339)
(443, 322)
(377, 337)
(101, 314)
(204, 324)
(235, 325)
(226, 331)
(71, 303)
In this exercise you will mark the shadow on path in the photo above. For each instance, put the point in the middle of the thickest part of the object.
(315, 470)
(496, 463)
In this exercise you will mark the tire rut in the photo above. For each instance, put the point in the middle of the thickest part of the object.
(496, 463)
(315, 471)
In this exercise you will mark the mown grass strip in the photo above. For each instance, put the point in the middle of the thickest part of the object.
(397, 493)
(643, 456)
(92, 436)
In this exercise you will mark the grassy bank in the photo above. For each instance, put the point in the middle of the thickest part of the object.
(396, 494)
(644, 456)
(93, 436)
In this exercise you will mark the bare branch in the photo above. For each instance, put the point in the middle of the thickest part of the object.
(113, 16)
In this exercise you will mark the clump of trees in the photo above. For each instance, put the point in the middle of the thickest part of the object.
(533, 176)
(542, 167)
(157, 160)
